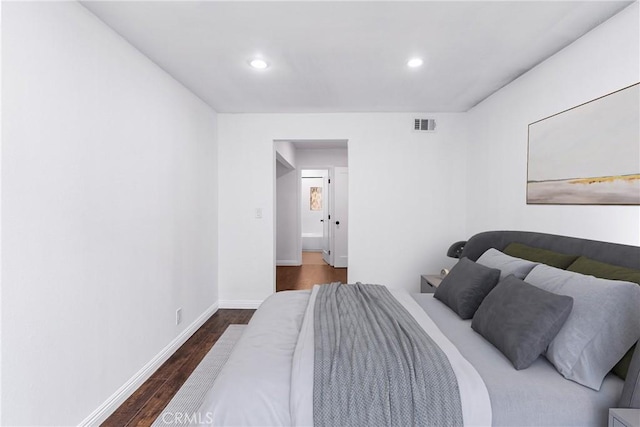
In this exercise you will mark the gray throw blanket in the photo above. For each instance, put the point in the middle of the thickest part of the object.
(375, 366)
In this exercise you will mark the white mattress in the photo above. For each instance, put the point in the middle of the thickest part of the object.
(536, 396)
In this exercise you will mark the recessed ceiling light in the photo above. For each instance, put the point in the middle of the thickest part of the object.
(415, 62)
(259, 64)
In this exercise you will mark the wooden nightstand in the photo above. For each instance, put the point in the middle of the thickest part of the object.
(624, 417)
(429, 283)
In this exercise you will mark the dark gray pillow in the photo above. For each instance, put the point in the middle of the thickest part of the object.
(521, 319)
(466, 285)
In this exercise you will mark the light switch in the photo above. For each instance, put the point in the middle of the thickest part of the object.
(258, 212)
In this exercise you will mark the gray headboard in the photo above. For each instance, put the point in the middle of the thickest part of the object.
(611, 253)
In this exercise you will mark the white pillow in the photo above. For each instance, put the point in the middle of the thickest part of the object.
(604, 323)
(506, 263)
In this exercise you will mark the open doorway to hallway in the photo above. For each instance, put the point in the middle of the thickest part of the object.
(311, 213)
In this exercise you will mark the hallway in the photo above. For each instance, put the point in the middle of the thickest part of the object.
(312, 271)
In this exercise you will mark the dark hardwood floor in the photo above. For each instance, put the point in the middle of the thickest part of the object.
(144, 406)
(312, 271)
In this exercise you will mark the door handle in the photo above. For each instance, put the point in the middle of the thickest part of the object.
(322, 220)
(337, 222)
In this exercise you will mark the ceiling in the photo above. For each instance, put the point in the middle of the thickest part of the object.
(349, 56)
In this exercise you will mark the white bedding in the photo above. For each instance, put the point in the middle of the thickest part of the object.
(268, 379)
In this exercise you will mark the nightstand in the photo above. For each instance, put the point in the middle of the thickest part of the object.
(429, 283)
(624, 417)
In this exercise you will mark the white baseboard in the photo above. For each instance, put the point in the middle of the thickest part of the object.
(288, 263)
(123, 393)
(240, 303)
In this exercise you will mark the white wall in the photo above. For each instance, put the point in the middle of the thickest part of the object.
(1, 314)
(315, 157)
(109, 212)
(406, 206)
(604, 60)
(288, 240)
(312, 173)
(287, 152)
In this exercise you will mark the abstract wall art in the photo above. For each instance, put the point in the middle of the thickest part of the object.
(589, 154)
(315, 198)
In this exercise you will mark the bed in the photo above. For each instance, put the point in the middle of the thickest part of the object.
(284, 370)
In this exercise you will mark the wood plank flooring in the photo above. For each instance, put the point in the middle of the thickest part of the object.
(144, 406)
(312, 271)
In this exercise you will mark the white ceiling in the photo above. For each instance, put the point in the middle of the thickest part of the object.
(351, 55)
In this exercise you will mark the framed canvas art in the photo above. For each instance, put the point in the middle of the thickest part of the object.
(315, 198)
(589, 154)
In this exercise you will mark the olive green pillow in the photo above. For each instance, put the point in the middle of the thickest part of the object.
(603, 270)
(543, 256)
(622, 367)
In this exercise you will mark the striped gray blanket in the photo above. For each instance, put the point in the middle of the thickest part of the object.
(375, 366)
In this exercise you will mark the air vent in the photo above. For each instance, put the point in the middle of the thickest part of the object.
(424, 125)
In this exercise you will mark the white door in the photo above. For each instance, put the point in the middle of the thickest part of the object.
(339, 188)
(326, 247)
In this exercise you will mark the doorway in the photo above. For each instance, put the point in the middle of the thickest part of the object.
(324, 213)
(314, 213)
(311, 239)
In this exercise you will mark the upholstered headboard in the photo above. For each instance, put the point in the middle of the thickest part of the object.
(610, 253)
